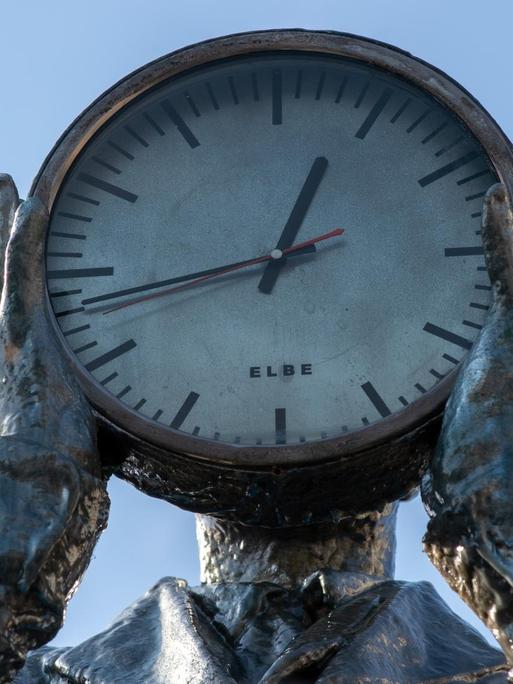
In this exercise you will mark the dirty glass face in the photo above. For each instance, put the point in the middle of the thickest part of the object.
(245, 159)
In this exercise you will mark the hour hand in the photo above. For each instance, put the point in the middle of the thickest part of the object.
(294, 222)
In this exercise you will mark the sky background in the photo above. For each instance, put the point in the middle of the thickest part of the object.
(59, 55)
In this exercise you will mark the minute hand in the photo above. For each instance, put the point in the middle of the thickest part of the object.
(294, 222)
(184, 278)
(303, 246)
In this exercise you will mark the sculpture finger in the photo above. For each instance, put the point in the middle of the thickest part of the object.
(9, 202)
(498, 239)
(24, 269)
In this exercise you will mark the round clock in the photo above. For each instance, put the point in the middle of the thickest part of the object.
(264, 261)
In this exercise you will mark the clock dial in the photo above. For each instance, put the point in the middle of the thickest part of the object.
(240, 161)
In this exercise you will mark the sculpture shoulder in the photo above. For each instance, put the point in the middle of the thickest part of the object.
(390, 631)
(160, 635)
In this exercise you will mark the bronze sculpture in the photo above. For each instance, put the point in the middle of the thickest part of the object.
(314, 604)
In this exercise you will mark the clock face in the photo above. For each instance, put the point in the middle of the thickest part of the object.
(251, 157)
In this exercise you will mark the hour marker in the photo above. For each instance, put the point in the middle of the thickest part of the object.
(471, 324)
(299, 85)
(420, 388)
(474, 176)
(237, 440)
(110, 355)
(365, 421)
(418, 121)
(276, 97)
(482, 268)
(109, 378)
(83, 198)
(64, 293)
(122, 151)
(258, 442)
(196, 430)
(302, 438)
(184, 410)
(233, 90)
(403, 401)
(80, 328)
(434, 133)
(450, 358)
(192, 104)
(374, 113)
(254, 87)
(483, 287)
(341, 89)
(447, 335)
(106, 165)
(216, 436)
(476, 214)
(180, 124)
(139, 404)
(80, 273)
(400, 111)
(85, 347)
(74, 236)
(74, 217)
(362, 95)
(464, 251)
(280, 425)
(476, 305)
(66, 255)
(345, 428)
(320, 86)
(154, 124)
(157, 415)
(69, 312)
(375, 399)
(448, 147)
(124, 391)
(448, 168)
(213, 99)
(115, 190)
(135, 135)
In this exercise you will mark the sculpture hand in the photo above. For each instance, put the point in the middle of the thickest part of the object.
(469, 490)
(53, 503)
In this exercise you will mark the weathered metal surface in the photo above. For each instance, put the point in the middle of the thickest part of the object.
(53, 502)
(336, 627)
(231, 552)
(469, 488)
(277, 497)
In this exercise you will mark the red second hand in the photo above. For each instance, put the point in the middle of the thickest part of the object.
(251, 262)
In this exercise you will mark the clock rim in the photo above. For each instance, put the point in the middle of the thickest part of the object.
(73, 141)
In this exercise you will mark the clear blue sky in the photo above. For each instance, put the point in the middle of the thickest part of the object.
(58, 56)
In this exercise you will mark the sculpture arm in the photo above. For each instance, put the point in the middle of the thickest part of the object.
(468, 491)
(53, 502)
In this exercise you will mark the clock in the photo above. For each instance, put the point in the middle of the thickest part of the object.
(264, 263)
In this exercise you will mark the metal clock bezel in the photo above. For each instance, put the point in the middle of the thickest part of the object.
(49, 179)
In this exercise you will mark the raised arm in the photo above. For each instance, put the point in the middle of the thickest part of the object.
(53, 502)
(469, 491)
